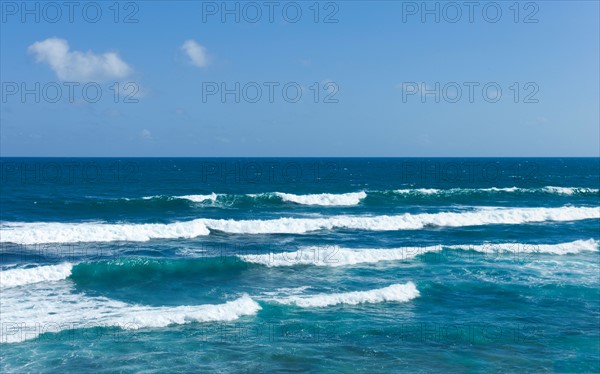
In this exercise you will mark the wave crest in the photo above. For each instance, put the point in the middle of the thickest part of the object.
(395, 292)
(20, 277)
(334, 256)
(324, 199)
(467, 191)
(65, 310)
(42, 232)
(482, 216)
(56, 232)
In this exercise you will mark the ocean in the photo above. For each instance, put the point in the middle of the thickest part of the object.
(226, 265)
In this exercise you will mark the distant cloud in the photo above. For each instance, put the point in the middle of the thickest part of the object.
(78, 66)
(196, 53)
(146, 135)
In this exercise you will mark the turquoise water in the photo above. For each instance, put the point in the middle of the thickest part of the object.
(318, 265)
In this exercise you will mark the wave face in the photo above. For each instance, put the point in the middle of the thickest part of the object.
(20, 277)
(126, 271)
(123, 272)
(395, 292)
(324, 199)
(40, 232)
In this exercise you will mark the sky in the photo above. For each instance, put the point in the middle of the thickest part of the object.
(297, 79)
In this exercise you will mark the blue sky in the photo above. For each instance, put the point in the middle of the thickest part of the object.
(376, 63)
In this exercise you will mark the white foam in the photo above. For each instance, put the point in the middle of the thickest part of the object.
(504, 189)
(481, 216)
(324, 199)
(144, 316)
(20, 277)
(334, 256)
(570, 190)
(286, 291)
(574, 247)
(458, 191)
(54, 232)
(423, 191)
(199, 198)
(395, 292)
(40, 232)
(26, 315)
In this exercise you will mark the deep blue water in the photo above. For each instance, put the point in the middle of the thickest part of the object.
(318, 265)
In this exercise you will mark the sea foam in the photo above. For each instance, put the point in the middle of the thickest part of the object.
(199, 198)
(57, 232)
(481, 216)
(324, 199)
(395, 292)
(41, 232)
(42, 310)
(578, 246)
(467, 191)
(20, 277)
(334, 256)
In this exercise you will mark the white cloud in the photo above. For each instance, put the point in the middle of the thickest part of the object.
(146, 135)
(78, 66)
(196, 53)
